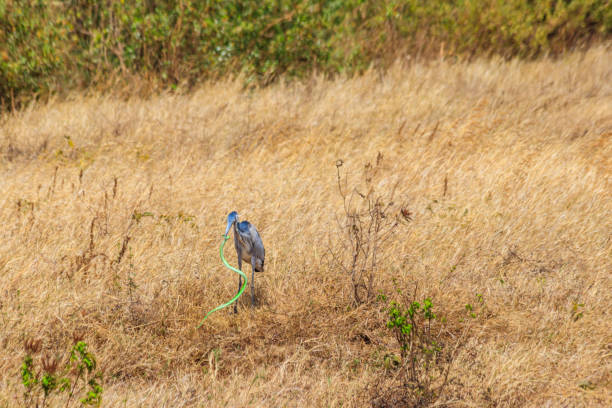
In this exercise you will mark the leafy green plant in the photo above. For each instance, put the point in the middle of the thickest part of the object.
(476, 309)
(49, 381)
(426, 357)
(412, 328)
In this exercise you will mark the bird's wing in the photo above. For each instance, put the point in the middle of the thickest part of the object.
(250, 236)
(257, 243)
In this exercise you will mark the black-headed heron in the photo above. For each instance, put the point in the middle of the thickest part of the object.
(249, 248)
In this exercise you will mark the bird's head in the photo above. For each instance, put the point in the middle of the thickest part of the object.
(231, 219)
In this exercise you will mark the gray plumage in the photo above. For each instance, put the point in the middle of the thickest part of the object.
(249, 248)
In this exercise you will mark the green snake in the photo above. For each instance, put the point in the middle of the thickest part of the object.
(225, 238)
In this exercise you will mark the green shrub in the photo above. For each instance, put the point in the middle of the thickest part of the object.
(47, 46)
(51, 378)
(427, 352)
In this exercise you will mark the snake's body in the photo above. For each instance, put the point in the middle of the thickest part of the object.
(225, 238)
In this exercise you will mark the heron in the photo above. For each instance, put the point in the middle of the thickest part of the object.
(249, 247)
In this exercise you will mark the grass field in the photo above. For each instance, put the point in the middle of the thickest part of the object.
(112, 213)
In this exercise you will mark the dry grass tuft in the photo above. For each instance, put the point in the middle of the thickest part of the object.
(113, 210)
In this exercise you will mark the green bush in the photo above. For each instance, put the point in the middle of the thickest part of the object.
(47, 46)
(29, 44)
(427, 352)
(53, 379)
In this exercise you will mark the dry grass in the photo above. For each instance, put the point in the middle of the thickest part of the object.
(507, 170)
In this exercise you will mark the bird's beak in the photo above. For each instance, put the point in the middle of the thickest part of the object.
(229, 225)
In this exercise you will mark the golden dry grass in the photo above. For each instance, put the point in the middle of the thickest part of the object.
(525, 220)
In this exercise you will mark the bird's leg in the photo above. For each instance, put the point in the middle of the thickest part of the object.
(239, 280)
(252, 281)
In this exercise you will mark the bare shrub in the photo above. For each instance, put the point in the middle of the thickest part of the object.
(368, 221)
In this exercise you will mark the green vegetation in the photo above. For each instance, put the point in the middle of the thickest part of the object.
(52, 378)
(427, 353)
(49, 46)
